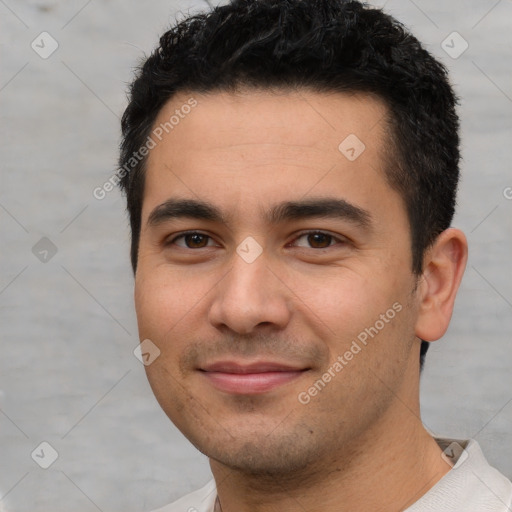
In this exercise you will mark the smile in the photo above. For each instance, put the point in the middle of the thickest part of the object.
(250, 379)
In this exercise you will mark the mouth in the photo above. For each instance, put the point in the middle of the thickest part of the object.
(250, 379)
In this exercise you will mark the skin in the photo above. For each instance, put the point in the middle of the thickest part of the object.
(359, 443)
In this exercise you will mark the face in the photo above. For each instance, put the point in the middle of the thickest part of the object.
(274, 276)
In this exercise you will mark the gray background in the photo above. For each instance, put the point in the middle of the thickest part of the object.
(68, 375)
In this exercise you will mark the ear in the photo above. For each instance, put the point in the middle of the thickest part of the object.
(443, 267)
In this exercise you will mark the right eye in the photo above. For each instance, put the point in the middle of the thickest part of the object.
(192, 240)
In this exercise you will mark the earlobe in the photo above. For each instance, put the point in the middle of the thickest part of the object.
(444, 265)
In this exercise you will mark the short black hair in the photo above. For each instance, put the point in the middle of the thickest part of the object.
(324, 46)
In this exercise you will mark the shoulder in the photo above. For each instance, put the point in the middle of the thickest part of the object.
(201, 500)
(472, 484)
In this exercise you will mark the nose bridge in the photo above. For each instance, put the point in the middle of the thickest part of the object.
(250, 294)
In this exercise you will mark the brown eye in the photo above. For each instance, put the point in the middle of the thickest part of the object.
(195, 241)
(318, 240)
(192, 240)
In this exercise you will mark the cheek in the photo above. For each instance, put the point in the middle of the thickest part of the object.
(162, 309)
(343, 299)
(164, 300)
(357, 307)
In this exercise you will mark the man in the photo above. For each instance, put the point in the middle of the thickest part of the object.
(291, 170)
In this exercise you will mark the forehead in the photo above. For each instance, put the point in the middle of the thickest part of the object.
(258, 145)
(300, 117)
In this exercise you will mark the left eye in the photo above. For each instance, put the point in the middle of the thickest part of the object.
(318, 239)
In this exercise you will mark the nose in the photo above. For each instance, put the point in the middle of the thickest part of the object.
(250, 296)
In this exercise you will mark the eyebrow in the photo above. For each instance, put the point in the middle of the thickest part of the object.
(325, 207)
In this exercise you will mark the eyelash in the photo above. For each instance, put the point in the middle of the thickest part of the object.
(300, 235)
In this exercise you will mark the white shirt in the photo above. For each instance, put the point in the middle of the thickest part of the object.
(472, 485)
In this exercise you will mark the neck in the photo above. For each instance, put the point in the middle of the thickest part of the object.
(387, 468)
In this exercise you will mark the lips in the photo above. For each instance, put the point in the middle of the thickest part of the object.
(250, 379)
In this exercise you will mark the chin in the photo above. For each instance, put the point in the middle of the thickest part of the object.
(265, 455)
